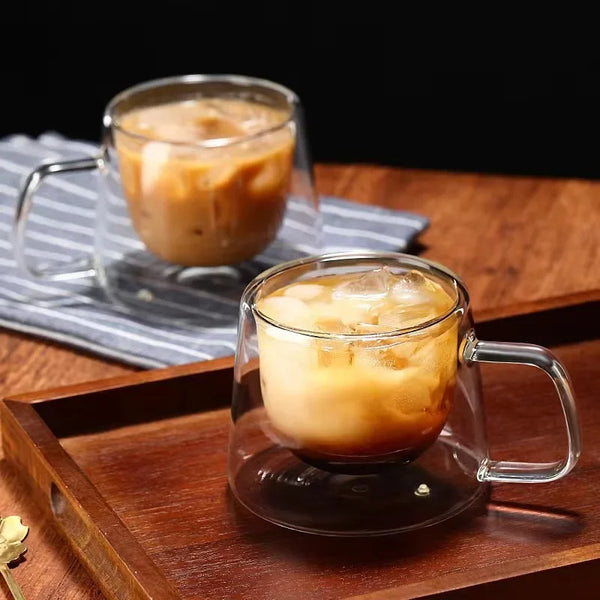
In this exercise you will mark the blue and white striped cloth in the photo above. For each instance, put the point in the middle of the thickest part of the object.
(62, 224)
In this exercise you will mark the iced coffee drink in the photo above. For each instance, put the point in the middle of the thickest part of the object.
(358, 368)
(206, 179)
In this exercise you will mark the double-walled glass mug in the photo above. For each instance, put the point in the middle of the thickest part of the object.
(369, 429)
(199, 177)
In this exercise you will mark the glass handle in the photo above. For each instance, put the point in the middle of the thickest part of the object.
(474, 350)
(80, 267)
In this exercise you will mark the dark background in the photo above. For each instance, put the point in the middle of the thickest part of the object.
(380, 84)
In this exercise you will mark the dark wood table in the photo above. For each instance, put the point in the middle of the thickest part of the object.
(522, 245)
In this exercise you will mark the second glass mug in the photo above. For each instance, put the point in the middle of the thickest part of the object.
(175, 215)
(293, 385)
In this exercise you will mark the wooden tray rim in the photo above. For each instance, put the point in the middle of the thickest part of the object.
(19, 414)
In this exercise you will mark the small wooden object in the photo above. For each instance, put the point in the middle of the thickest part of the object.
(134, 471)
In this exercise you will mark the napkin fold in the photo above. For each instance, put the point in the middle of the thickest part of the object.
(62, 224)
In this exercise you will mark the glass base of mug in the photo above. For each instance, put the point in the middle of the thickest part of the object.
(279, 487)
(204, 296)
(147, 286)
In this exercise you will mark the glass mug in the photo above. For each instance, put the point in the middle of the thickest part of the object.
(371, 433)
(183, 206)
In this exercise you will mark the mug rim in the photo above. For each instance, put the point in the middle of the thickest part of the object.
(109, 122)
(461, 302)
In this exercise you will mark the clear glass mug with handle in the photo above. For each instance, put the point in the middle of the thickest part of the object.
(203, 181)
(373, 431)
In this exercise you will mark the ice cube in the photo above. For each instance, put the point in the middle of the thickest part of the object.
(413, 288)
(404, 317)
(155, 156)
(378, 355)
(372, 285)
(217, 175)
(334, 353)
(349, 312)
(291, 312)
(413, 392)
(305, 291)
(438, 354)
(332, 325)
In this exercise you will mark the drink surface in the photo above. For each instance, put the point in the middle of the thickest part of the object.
(343, 398)
(206, 179)
(192, 121)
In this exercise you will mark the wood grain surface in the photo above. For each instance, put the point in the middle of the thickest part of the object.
(162, 495)
(545, 260)
(520, 243)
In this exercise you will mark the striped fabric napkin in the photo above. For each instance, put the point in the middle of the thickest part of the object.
(62, 224)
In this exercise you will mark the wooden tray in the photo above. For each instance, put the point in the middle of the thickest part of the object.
(134, 472)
